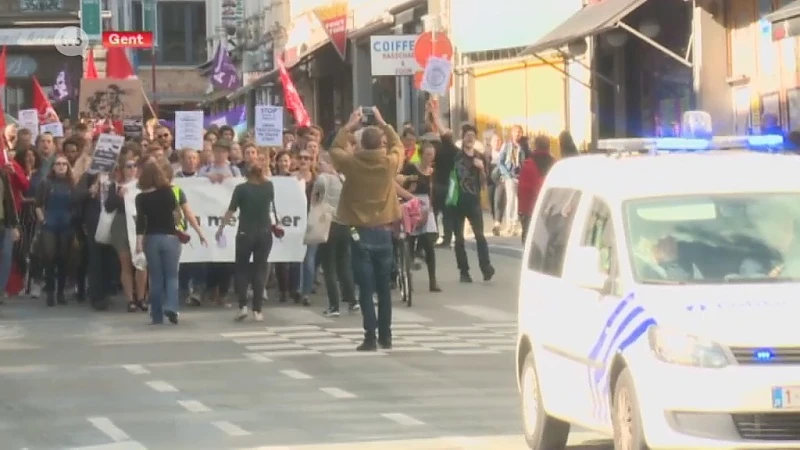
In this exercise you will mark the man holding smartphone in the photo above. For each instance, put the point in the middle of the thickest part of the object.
(369, 205)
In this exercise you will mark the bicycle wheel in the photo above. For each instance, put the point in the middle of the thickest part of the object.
(406, 261)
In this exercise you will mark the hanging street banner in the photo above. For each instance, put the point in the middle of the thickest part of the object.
(333, 18)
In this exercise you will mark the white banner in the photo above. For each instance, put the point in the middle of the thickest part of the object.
(209, 202)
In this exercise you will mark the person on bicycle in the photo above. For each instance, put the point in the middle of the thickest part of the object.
(368, 204)
(418, 179)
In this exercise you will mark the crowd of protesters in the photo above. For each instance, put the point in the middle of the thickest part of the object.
(364, 171)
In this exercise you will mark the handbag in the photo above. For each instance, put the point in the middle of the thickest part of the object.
(277, 229)
(320, 218)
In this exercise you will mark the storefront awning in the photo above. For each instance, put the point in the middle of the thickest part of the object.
(593, 19)
(790, 11)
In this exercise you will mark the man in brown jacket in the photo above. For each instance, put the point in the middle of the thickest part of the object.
(369, 205)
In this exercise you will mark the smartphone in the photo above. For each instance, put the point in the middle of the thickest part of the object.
(367, 116)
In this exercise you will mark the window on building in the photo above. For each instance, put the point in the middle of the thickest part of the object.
(180, 34)
(41, 5)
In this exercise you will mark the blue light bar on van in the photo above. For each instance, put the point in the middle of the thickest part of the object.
(682, 144)
(766, 142)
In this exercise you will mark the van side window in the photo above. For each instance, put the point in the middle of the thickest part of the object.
(599, 233)
(552, 229)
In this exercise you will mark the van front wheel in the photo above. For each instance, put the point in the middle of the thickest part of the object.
(542, 432)
(627, 420)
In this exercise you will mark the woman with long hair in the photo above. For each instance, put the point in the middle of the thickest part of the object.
(133, 280)
(156, 237)
(54, 206)
(567, 143)
(335, 252)
(254, 200)
(306, 172)
(288, 274)
(419, 182)
(30, 162)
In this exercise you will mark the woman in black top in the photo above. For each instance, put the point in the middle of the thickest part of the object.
(419, 181)
(156, 237)
(254, 200)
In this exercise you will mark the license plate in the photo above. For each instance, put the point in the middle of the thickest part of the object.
(786, 397)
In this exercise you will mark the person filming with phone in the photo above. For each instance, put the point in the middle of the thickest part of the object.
(369, 205)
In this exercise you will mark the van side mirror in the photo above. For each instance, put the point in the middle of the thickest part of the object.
(584, 269)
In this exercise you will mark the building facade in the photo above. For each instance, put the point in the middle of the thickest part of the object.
(28, 30)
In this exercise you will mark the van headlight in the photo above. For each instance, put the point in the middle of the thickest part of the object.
(675, 347)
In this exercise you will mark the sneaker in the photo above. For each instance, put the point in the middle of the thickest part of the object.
(36, 290)
(353, 308)
(242, 314)
(367, 346)
(258, 316)
(488, 274)
(465, 278)
(330, 312)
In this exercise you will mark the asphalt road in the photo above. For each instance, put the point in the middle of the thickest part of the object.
(72, 378)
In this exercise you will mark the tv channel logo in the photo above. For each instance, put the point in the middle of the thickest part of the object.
(71, 41)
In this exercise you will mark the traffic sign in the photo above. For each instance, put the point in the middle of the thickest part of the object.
(432, 44)
(92, 19)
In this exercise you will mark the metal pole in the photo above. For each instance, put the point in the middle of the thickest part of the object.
(153, 75)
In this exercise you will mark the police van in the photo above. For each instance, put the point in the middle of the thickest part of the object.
(659, 299)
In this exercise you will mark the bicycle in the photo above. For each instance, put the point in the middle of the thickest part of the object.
(403, 262)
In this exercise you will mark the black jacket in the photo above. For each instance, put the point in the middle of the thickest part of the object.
(88, 207)
(11, 218)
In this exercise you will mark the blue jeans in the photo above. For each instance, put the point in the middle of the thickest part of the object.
(309, 269)
(372, 267)
(6, 257)
(163, 252)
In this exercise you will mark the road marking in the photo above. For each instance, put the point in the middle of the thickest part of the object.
(261, 340)
(450, 345)
(355, 353)
(292, 352)
(504, 348)
(465, 351)
(136, 369)
(510, 324)
(17, 370)
(268, 347)
(127, 445)
(296, 374)
(293, 328)
(337, 393)
(431, 338)
(307, 334)
(257, 357)
(404, 326)
(197, 362)
(469, 329)
(483, 312)
(108, 428)
(401, 349)
(404, 315)
(194, 406)
(402, 419)
(416, 332)
(334, 340)
(231, 429)
(334, 347)
(246, 334)
(161, 386)
(493, 341)
(297, 315)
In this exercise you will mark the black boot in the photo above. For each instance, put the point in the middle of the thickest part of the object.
(51, 298)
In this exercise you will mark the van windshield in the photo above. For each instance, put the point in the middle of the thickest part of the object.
(738, 238)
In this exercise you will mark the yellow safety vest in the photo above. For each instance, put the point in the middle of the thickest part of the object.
(181, 225)
(416, 157)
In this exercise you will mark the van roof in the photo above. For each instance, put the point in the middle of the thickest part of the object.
(618, 178)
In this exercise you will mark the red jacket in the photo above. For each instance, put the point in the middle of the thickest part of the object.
(531, 179)
(19, 184)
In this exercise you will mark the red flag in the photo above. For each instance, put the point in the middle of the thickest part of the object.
(292, 98)
(2, 70)
(91, 69)
(118, 66)
(3, 154)
(40, 102)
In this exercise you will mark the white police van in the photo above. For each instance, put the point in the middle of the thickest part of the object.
(659, 299)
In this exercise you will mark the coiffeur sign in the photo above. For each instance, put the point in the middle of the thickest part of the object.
(333, 18)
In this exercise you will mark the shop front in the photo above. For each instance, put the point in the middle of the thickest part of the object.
(646, 62)
(394, 95)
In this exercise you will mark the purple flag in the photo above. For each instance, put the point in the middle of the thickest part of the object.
(224, 75)
(62, 89)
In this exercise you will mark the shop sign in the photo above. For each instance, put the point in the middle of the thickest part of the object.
(29, 36)
(393, 55)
